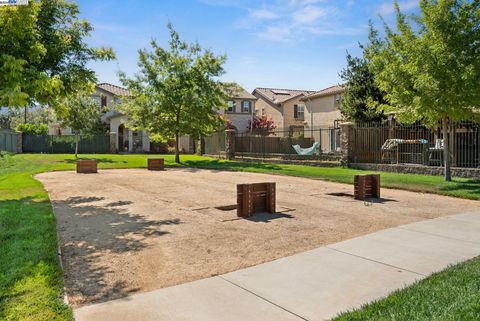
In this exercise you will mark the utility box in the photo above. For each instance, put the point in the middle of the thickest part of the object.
(255, 198)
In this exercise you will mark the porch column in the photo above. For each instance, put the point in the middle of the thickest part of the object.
(113, 143)
(346, 143)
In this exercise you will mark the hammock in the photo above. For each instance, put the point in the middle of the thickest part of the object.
(306, 151)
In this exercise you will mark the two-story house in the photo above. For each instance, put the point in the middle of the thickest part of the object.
(322, 116)
(241, 109)
(126, 140)
(107, 96)
(284, 106)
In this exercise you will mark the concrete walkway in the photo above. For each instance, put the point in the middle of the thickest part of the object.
(314, 285)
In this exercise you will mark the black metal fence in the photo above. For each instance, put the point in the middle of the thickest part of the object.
(277, 143)
(52, 144)
(415, 144)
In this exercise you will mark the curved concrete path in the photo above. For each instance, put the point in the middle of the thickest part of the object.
(314, 285)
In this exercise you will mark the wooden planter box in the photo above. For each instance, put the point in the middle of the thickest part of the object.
(156, 164)
(87, 166)
(255, 198)
(366, 186)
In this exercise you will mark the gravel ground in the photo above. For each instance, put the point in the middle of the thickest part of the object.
(126, 231)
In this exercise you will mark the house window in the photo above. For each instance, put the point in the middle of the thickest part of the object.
(338, 99)
(299, 112)
(104, 101)
(98, 100)
(246, 106)
(231, 106)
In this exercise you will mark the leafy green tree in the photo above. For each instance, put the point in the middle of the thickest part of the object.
(362, 97)
(429, 67)
(34, 129)
(43, 53)
(81, 113)
(176, 91)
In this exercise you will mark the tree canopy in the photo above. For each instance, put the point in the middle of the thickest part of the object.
(429, 67)
(43, 53)
(176, 92)
(362, 98)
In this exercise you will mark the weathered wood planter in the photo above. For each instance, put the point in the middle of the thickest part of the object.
(255, 198)
(366, 186)
(156, 164)
(87, 166)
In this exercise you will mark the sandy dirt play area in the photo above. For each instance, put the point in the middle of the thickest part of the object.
(125, 231)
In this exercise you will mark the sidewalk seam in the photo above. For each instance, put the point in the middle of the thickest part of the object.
(375, 261)
(260, 297)
(437, 235)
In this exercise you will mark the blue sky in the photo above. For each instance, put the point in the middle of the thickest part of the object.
(272, 43)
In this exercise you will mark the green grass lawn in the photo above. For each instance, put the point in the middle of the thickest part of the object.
(30, 276)
(451, 295)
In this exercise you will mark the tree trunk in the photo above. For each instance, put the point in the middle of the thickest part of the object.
(177, 151)
(76, 145)
(446, 150)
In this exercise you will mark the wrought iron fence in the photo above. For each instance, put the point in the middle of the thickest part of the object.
(277, 143)
(415, 144)
(53, 144)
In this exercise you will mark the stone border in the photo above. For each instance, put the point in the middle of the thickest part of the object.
(418, 169)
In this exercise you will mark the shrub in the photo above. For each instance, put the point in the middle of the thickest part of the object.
(33, 129)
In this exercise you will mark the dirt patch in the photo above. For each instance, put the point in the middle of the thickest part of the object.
(125, 231)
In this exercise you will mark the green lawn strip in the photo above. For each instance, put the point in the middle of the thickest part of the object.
(462, 188)
(451, 295)
(30, 276)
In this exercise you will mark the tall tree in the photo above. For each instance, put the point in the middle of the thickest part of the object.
(43, 52)
(362, 98)
(81, 113)
(176, 92)
(429, 67)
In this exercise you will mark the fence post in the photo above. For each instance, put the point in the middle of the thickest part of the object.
(113, 143)
(200, 145)
(230, 144)
(19, 142)
(346, 143)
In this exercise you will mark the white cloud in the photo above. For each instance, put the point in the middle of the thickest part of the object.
(309, 14)
(387, 8)
(294, 20)
(263, 14)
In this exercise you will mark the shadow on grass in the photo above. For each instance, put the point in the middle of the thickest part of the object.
(29, 269)
(472, 186)
(94, 237)
(230, 165)
(99, 160)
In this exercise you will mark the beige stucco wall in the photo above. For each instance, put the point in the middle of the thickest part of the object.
(238, 119)
(115, 122)
(322, 112)
(288, 113)
(263, 107)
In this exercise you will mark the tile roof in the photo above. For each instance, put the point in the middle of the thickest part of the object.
(279, 96)
(333, 90)
(241, 93)
(115, 90)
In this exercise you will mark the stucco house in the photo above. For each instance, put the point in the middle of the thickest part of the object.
(322, 117)
(284, 106)
(107, 96)
(241, 109)
(126, 140)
